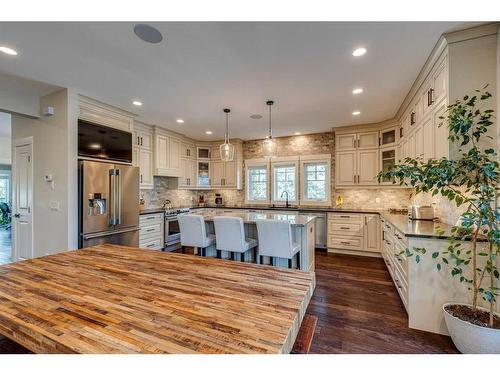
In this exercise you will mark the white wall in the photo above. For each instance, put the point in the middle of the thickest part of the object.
(55, 154)
(5, 155)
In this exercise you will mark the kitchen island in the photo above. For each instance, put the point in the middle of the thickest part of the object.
(303, 229)
(117, 299)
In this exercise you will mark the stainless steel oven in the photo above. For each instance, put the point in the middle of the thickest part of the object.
(172, 230)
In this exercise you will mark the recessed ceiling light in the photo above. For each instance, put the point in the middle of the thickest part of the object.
(95, 146)
(298, 133)
(357, 91)
(147, 33)
(256, 117)
(180, 121)
(359, 52)
(356, 113)
(8, 51)
(137, 103)
(208, 132)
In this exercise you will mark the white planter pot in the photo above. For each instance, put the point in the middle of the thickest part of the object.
(470, 338)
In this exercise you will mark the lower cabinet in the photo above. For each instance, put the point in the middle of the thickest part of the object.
(151, 231)
(353, 232)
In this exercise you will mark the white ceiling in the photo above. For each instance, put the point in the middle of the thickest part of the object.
(200, 68)
(5, 124)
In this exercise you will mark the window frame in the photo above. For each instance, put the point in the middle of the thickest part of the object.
(281, 162)
(318, 159)
(257, 163)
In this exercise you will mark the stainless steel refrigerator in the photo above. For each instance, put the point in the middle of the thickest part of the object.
(108, 207)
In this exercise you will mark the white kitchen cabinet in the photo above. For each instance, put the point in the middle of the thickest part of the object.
(187, 180)
(367, 167)
(428, 132)
(372, 232)
(419, 142)
(442, 142)
(389, 137)
(345, 168)
(166, 155)
(358, 232)
(368, 140)
(388, 158)
(217, 173)
(188, 150)
(231, 176)
(151, 231)
(203, 179)
(346, 142)
(142, 156)
(224, 174)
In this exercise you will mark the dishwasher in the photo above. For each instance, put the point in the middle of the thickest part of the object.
(320, 228)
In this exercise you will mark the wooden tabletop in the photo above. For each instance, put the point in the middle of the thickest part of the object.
(116, 299)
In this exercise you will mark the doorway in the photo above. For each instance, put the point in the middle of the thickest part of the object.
(5, 189)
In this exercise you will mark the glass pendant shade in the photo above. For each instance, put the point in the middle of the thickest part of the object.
(226, 149)
(269, 146)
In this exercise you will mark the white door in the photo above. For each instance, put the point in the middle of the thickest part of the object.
(23, 201)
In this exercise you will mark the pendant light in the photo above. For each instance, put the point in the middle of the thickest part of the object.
(269, 144)
(226, 149)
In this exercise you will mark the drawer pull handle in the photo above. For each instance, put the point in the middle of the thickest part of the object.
(345, 228)
(151, 245)
(151, 230)
(345, 216)
(345, 243)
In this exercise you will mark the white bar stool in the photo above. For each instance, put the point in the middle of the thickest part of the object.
(230, 234)
(194, 233)
(275, 240)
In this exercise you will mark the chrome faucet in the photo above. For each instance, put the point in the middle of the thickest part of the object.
(286, 201)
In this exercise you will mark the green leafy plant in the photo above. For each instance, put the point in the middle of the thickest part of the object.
(471, 180)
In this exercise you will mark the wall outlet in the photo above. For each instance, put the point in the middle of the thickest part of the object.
(54, 206)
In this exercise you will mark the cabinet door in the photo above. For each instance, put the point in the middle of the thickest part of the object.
(161, 152)
(367, 167)
(146, 139)
(136, 139)
(410, 147)
(217, 173)
(429, 139)
(345, 168)
(419, 142)
(368, 140)
(184, 174)
(231, 174)
(425, 97)
(192, 170)
(441, 133)
(215, 153)
(146, 169)
(345, 142)
(388, 137)
(203, 174)
(419, 110)
(440, 82)
(372, 232)
(174, 153)
(135, 156)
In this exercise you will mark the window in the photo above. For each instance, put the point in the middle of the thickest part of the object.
(257, 181)
(284, 181)
(5, 188)
(315, 178)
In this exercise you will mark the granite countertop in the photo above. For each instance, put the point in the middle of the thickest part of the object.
(294, 208)
(251, 217)
(417, 228)
(151, 211)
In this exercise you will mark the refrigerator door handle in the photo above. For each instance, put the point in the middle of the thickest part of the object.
(112, 195)
(100, 234)
(118, 219)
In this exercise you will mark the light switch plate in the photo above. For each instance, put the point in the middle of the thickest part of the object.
(54, 206)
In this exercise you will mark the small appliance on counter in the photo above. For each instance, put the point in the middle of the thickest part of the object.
(218, 200)
(421, 212)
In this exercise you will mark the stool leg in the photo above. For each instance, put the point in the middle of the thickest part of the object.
(298, 260)
(183, 249)
(255, 255)
(242, 257)
(219, 254)
(233, 255)
(290, 263)
(261, 259)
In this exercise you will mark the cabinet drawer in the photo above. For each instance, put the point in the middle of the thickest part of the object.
(346, 218)
(337, 227)
(350, 243)
(152, 245)
(154, 230)
(145, 220)
(401, 286)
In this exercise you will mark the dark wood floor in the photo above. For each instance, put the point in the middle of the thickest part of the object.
(358, 311)
(5, 246)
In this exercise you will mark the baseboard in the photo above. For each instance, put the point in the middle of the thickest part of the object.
(355, 252)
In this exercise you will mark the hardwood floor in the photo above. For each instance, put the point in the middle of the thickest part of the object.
(358, 311)
(5, 246)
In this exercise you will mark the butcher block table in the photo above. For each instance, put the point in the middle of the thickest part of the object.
(117, 299)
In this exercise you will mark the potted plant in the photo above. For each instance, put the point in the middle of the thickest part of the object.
(471, 181)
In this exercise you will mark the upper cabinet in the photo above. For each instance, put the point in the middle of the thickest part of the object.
(389, 137)
(142, 156)
(167, 152)
(354, 141)
(100, 113)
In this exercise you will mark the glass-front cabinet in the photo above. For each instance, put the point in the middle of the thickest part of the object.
(388, 159)
(203, 152)
(388, 137)
(203, 175)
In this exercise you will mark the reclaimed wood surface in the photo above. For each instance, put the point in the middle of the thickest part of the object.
(116, 299)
